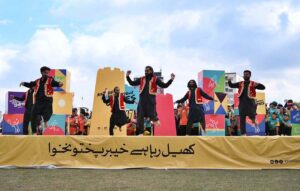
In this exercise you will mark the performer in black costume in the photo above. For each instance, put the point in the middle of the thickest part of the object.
(195, 97)
(147, 103)
(117, 101)
(27, 98)
(247, 95)
(42, 97)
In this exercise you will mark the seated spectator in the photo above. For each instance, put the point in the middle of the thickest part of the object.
(290, 106)
(81, 122)
(73, 120)
(273, 124)
(228, 121)
(273, 108)
(287, 126)
(183, 115)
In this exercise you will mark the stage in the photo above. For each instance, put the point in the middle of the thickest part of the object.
(103, 152)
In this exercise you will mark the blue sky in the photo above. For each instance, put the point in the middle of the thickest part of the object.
(177, 36)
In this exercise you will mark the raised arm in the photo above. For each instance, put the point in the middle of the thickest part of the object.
(27, 84)
(162, 84)
(19, 98)
(55, 83)
(233, 85)
(259, 86)
(165, 85)
(132, 83)
(105, 100)
(203, 94)
(182, 100)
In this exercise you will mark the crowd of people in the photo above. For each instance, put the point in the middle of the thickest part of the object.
(79, 122)
(277, 119)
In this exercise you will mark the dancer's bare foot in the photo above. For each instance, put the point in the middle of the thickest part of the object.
(156, 123)
(256, 126)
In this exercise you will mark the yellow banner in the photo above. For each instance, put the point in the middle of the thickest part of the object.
(150, 152)
(261, 103)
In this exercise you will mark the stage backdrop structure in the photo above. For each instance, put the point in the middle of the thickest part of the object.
(62, 103)
(13, 106)
(213, 83)
(12, 123)
(61, 75)
(56, 125)
(165, 112)
(106, 78)
(133, 93)
(295, 120)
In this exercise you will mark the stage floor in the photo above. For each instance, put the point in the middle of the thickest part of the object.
(104, 152)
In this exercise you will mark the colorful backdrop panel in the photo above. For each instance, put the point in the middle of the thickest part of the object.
(61, 75)
(56, 125)
(215, 125)
(62, 103)
(295, 117)
(13, 106)
(165, 111)
(132, 93)
(12, 124)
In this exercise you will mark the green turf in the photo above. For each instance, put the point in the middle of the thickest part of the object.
(150, 180)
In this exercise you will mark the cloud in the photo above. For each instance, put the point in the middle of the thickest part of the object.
(6, 54)
(264, 15)
(5, 21)
(84, 54)
(48, 46)
(271, 16)
(47, 26)
(282, 84)
(120, 3)
(175, 36)
(3, 92)
(92, 9)
(154, 29)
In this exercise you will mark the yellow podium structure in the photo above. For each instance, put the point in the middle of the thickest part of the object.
(62, 103)
(106, 78)
(261, 104)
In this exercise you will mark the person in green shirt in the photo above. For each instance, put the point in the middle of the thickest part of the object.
(273, 108)
(228, 119)
(287, 126)
(273, 124)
